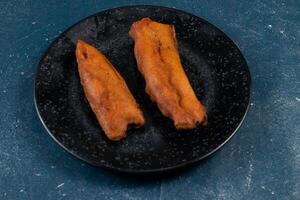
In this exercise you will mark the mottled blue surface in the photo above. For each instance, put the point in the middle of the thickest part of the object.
(262, 161)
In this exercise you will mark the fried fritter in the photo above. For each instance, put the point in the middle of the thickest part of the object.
(166, 82)
(107, 92)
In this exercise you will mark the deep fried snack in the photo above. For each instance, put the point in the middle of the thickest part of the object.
(107, 92)
(166, 82)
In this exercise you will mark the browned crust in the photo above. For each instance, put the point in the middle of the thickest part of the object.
(107, 92)
(166, 82)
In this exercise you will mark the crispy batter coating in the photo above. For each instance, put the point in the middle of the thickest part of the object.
(166, 82)
(107, 92)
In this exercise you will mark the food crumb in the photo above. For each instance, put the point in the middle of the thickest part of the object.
(282, 32)
(60, 185)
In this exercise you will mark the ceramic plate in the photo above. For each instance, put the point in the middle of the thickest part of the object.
(214, 65)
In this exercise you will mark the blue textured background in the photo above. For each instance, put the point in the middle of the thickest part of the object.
(262, 161)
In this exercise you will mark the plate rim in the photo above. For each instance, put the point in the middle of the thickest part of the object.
(142, 171)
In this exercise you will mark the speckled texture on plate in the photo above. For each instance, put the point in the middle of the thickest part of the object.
(213, 63)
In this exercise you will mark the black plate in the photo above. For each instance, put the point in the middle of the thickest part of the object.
(213, 63)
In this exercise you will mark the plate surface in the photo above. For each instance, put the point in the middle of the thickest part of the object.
(213, 63)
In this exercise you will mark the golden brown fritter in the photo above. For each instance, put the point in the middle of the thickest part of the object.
(166, 82)
(107, 92)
